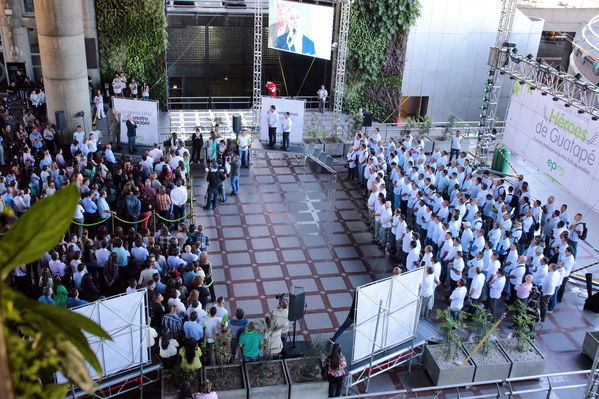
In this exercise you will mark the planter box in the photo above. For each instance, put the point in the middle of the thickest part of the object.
(317, 143)
(590, 343)
(333, 149)
(304, 387)
(531, 362)
(492, 366)
(231, 385)
(441, 371)
(266, 380)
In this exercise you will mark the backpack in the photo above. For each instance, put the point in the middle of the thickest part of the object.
(583, 236)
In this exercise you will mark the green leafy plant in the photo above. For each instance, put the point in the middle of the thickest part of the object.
(43, 339)
(132, 39)
(524, 323)
(450, 328)
(377, 47)
(481, 322)
(422, 125)
(266, 332)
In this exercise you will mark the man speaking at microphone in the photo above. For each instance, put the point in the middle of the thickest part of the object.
(131, 134)
(294, 40)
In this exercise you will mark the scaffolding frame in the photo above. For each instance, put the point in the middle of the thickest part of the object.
(344, 20)
(257, 76)
(486, 136)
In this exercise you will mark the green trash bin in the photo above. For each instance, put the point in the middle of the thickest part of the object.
(495, 156)
(503, 157)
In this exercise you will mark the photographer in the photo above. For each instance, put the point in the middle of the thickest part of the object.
(280, 315)
(214, 178)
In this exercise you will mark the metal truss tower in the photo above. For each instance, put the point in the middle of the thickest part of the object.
(257, 78)
(341, 57)
(493, 88)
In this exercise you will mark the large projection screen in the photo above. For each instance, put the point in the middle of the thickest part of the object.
(557, 140)
(300, 28)
(145, 115)
(398, 322)
(125, 319)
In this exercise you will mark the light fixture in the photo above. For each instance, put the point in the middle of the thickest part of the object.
(491, 73)
(174, 86)
(226, 78)
(555, 98)
(489, 81)
(485, 99)
(580, 111)
(483, 107)
(543, 93)
(567, 105)
(559, 69)
(529, 57)
(578, 76)
(594, 118)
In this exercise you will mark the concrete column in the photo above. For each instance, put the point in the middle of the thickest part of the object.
(62, 51)
(90, 31)
(14, 34)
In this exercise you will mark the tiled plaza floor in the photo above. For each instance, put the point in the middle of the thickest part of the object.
(292, 226)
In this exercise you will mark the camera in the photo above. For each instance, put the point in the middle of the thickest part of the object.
(281, 297)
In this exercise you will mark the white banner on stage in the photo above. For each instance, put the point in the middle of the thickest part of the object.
(145, 115)
(556, 139)
(282, 105)
(400, 311)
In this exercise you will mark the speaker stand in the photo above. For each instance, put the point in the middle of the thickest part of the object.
(294, 326)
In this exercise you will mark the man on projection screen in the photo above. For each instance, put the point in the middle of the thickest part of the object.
(294, 40)
(279, 28)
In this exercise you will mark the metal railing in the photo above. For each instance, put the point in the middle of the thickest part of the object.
(232, 102)
(503, 388)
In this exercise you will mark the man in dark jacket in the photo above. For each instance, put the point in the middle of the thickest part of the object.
(131, 134)
(133, 207)
(214, 178)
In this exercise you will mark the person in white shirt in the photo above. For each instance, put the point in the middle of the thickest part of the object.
(243, 142)
(179, 199)
(476, 286)
(568, 262)
(413, 258)
(385, 223)
(211, 325)
(286, 126)
(352, 169)
(496, 285)
(456, 268)
(550, 283)
(539, 272)
(116, 86)
(99, 103)
(576, 232)
(272, 117)
(428, 291)
(322, 98)
(457, 297)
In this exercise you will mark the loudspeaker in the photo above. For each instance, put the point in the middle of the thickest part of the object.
(297, 298)
(589, 280)
(367, 119)
(236, 123)
(61, 120)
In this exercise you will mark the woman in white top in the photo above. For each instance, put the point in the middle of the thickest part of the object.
(117, 89)
(133, 88)
(145, 91)
(99, 102)
(169, 352)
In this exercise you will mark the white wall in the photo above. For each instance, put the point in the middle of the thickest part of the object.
(448, 50)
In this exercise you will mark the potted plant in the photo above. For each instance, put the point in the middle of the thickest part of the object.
(228, 380)
(525, 357)
(590, 344)
(332, 144)
(266, 379)
(311, 136)
(303, 374)
(443, 362)
(175, 378)
(490, 362)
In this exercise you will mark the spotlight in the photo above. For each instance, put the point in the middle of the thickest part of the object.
(483, 107)
(514, 50)
(555, 98)
(502, 73)
(482, 116)
(578, 76)
(486, 89)
(485, 99)
(489, 81)
(512, 78)
(567, 105)
(532, 88)
(481, 124)
(597, 86)
(559, 69)
(580, 111)
(529, 57)
(522, 82)
(540, 61)
(594, 118)
(491, 73)
(543, 93)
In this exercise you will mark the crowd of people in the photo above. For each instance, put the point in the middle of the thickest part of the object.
(482, 241)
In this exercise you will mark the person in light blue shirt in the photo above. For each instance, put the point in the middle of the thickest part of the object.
(192, 328)
(37, 141)
(122, 255)
(46, 296)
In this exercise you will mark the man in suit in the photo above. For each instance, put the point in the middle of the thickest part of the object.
(131, 134)
(294, 40)
(279, 28)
